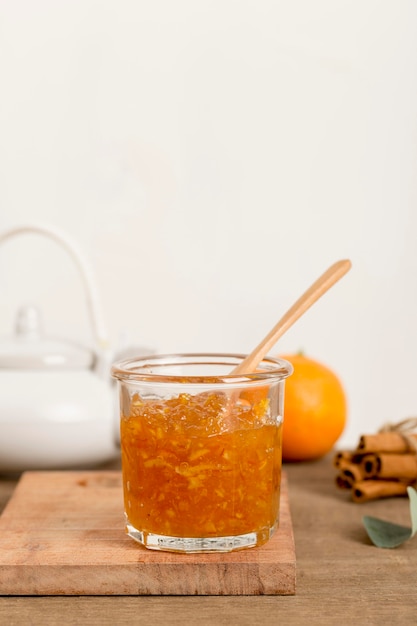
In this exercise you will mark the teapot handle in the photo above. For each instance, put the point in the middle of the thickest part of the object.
(96, 318)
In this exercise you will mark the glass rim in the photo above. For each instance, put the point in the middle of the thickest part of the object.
(135, 369)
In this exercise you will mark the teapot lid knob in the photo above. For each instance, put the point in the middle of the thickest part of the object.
(28, 322)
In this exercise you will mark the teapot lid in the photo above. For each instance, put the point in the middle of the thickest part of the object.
(30, 349)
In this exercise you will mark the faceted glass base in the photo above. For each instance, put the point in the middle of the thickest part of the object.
(198, 544)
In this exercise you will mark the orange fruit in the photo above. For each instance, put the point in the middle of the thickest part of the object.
(315, 410)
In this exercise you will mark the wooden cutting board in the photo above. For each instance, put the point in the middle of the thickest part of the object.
(62, 533)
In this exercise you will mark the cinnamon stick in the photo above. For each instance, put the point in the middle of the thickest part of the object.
(341, 456)
(369, 465)
(382, 465)
(350, 473)
(386, 442)
(366, 490)
(344, 456)
(343, 483)
(386, 465)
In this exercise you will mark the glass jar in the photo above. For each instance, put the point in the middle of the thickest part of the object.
(201, 450)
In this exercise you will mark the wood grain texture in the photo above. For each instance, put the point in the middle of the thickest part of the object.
(62, 533)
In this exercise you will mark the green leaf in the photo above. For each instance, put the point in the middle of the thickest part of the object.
(384, 534)
(388, 535)
(412, 494)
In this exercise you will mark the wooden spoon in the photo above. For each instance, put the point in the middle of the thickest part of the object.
(309, 297)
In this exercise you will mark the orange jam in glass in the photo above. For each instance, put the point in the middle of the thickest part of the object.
(201, 466)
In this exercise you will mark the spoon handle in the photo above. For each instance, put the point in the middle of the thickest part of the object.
(304, 302)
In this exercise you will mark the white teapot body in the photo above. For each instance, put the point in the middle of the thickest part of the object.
(51, 420)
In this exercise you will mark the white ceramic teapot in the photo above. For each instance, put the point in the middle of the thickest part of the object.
(57, 400)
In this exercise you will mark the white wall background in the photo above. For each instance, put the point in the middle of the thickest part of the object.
(211, 159)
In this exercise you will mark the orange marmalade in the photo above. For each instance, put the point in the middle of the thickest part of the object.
(201, 465)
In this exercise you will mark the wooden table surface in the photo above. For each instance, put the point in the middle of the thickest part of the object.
(341, 577)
